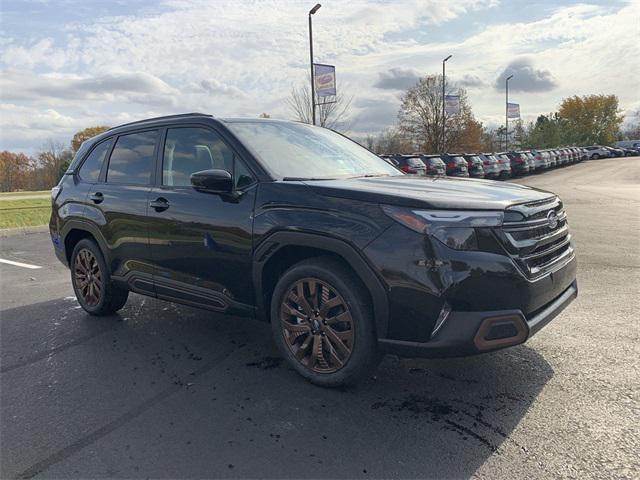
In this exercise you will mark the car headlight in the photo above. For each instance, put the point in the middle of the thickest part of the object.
(454, 228)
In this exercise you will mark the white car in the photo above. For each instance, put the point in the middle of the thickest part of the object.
(597, 151)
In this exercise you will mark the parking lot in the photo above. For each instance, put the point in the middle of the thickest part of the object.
(163, 390)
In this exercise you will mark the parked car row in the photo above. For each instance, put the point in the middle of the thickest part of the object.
(502, 164)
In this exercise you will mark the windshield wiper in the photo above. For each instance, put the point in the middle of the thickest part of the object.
(372, 175)
(303, 179)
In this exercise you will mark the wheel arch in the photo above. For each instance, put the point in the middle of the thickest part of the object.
(75, 230)
(283, 249)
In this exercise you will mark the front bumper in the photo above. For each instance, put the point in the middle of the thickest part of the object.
(470, 333)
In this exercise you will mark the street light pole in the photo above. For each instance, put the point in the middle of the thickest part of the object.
(506, 114)
(443, 95)
(313, 88)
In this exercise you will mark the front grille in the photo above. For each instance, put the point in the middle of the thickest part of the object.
(532, 241)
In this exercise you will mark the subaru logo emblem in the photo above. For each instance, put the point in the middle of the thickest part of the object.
(552, 219)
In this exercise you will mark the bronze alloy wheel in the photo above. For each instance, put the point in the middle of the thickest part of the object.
(317, 325)
(88, 277)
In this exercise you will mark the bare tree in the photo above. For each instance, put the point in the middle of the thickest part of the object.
(333, 115)
(52, 161)
(421, 118)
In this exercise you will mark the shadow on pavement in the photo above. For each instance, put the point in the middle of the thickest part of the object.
(169, 391)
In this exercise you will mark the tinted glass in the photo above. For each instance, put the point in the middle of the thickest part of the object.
(297, 150)
(190, 150)
(242, 176)
(415, 162)
(132, 158)
(90, 170)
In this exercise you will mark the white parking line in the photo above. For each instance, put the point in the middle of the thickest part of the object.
(18, 264)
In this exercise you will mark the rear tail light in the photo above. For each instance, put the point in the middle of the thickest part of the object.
(451, 165)
(404, 168)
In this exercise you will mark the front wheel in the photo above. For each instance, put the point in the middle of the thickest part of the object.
(595, 156)
(322, 323)
(91, 280)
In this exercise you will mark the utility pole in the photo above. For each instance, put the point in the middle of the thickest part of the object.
(313, 88)
(443, 95)
(506, 114)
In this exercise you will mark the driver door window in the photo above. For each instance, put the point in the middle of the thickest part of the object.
(192, 149)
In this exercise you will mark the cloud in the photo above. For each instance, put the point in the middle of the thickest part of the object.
(214, 87)
(371, 114)
(28, 86)
(242, 58)
(397, 79)
(526, 78)
(470, 81)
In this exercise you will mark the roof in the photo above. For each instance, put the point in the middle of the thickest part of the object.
(166, 117)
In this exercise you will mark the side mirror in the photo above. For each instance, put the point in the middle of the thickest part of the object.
(212, 181)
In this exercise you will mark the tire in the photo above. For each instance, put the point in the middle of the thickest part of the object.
(91, 281)
(595, 156)
(335, 364)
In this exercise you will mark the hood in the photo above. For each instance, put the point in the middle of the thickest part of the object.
(431, 192)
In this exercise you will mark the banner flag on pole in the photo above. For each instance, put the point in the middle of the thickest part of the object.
(513, 110)
(325, 79)
(452, 104)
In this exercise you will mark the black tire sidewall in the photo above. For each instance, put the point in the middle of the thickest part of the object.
(103, 306)
(364, 353)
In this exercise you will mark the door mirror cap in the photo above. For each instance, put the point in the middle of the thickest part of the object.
(212, 181)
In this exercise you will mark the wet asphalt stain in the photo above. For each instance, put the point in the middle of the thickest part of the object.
(266, 363)
(464, 418)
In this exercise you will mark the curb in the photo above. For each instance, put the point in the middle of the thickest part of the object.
(11, 232)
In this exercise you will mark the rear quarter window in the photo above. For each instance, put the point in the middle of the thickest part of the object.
(91, 167)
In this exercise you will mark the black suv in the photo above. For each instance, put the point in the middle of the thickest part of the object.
(347, 257)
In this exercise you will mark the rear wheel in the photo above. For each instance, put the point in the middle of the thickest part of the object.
(92, 283)
(322, 323)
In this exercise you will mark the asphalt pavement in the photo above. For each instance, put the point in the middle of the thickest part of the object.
(168, 391)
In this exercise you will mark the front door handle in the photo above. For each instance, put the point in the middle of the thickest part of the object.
(97, 197)
(159, 204)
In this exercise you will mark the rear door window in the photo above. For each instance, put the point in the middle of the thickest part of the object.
(90, 170)
(132, 159)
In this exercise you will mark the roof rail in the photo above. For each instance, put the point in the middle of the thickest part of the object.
(166, 117)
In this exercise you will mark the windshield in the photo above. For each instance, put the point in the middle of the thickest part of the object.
(300, 151)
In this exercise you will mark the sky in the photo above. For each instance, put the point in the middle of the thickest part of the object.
(69, 64)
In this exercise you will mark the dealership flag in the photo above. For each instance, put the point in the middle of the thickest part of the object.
(325, 78)
(452, 104)
(513, 110)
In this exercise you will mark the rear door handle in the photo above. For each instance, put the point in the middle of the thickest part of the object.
(97, 197)
(160, 204)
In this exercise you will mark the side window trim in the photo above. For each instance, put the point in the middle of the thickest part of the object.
(105, 164)
(160, 156)
(154, 156)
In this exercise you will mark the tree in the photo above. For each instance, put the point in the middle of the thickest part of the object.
(392, 140)
(591, 119)
(420, 118)
(15, 171)
(632, 131)
(330, 115)
(493, 139)
(52, 161)
(85, 134)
